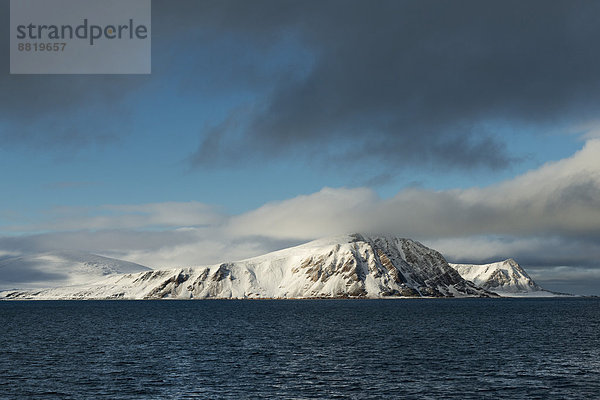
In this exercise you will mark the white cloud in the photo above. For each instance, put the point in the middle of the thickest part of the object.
(327, 212)
(551, 213)
(559, 198)
(127, 216)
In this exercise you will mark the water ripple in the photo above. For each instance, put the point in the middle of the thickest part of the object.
(372, 349)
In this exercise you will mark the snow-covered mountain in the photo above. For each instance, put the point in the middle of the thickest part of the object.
(505, 278)
(60, 268)
(345, 266)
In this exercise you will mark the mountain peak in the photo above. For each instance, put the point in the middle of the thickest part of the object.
(511, 262)
(505, 277)
(357, 266)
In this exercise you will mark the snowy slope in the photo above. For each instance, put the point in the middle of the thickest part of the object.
(60, 268)
(505, 278)
(344, 266)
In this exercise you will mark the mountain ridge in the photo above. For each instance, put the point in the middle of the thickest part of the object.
(347, 266)
(343, 266)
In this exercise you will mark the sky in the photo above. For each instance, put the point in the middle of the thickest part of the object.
(470, 126)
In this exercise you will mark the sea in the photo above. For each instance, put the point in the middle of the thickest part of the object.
(301, 349)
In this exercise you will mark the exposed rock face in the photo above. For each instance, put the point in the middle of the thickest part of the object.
(354, 266)
(505, 277)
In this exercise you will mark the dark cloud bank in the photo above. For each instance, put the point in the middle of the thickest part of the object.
(416, 81)
(388, 82)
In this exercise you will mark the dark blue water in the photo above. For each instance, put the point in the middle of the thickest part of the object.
(354, 349)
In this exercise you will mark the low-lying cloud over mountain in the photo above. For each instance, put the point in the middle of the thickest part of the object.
(545, 219)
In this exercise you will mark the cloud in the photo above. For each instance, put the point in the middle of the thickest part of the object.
(575, 280)
(546, 217)
(165, 248)
(533, 251)
(560, 198)
(59, 112)
(404, 83)
(340, 83)
(63, 113)
(139, 216)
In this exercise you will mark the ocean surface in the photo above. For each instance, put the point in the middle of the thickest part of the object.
(301, 349)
